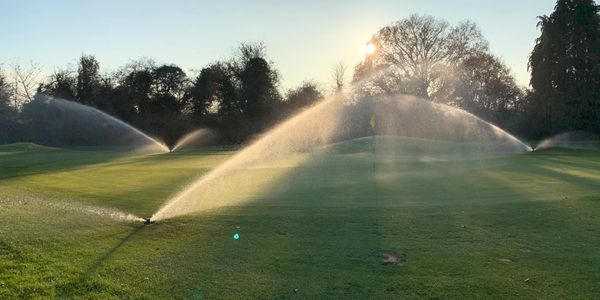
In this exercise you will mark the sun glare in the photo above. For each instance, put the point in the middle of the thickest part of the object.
(368, 49)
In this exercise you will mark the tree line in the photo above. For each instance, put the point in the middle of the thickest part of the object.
(418, 55)
(239, 97)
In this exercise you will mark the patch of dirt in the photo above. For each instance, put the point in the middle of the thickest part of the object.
(525, 249)
(506, 260)
(343, 286)
(389, 258)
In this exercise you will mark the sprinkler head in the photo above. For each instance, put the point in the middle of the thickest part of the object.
(148, 221)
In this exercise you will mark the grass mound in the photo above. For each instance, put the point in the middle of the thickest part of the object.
(416, 148)
(366, 144)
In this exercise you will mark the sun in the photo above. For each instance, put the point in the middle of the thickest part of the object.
(368, 49)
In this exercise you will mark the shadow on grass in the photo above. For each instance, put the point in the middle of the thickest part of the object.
(85, 285)
(545, 246)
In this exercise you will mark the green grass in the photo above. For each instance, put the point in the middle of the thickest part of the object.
(518, 226)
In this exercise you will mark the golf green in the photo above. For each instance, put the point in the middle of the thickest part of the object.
(353, 220)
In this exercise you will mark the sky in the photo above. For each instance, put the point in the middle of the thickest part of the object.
(304, 39)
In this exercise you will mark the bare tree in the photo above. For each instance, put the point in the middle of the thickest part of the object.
(25, 82)
(417, 53)
(339, 73)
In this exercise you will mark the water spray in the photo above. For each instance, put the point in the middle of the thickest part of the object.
(442, 130)
(373, 125)
(87, 115)
(201, 136)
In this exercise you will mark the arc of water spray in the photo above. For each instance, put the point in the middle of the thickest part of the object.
(161, 146)
(299, 132)
(192, 137)
(566, 139)
(242, 157)
(497, 130)
(112, 213)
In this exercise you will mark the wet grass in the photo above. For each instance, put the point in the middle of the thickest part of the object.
(521, 226)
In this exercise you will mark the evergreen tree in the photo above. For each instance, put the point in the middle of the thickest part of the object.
(88, 79)
(8, 114)
(257, 81)
(565, 70)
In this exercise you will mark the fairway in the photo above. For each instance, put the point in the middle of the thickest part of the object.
(319, 224)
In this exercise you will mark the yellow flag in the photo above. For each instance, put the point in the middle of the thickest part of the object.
(373, 121)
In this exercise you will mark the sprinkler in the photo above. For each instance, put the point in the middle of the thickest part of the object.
(148, 221)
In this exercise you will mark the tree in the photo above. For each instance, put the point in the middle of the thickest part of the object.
(257, 79)
(257, 82)
(135, 86)
(152, 97)
(25, 82)
(303, 96)
(484, 86)
(106, 98)
(240, 97)
(565, 70)
(150, 88)
(257, 88)
(214, 88)
(168, 89)
(5, 91)
(8, 114)
(417, 55)
(62, 83)
(88, 79)
(339, 74)
(169, 80)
